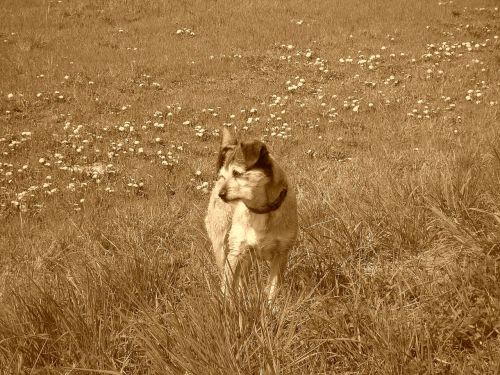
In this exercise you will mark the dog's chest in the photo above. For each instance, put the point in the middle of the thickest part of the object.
(248, 227)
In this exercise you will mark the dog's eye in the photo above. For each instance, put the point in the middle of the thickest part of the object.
(237, 173)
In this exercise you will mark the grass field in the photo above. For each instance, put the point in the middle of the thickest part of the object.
(385, 114)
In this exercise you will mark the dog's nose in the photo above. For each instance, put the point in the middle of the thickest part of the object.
(222, 194)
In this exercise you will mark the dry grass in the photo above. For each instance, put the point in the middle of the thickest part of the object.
(109, 121)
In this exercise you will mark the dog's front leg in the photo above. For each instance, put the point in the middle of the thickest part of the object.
(278, 267)
(230, 273)
(219, 252)
(236, 263)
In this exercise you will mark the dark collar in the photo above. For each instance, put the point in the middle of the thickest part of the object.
(273, 206)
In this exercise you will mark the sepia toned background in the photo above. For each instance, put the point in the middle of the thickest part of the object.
(385, 116)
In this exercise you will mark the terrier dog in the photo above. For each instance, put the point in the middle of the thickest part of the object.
(252, 212)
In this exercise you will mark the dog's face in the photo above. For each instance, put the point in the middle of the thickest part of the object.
(247, 171)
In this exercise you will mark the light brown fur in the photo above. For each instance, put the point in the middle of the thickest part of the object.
(252, 212)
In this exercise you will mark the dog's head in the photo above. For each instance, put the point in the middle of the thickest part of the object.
(249, 174)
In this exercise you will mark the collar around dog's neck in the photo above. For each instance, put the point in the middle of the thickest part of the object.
(270, 207)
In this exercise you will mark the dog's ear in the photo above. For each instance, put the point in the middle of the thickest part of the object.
(228, 141)
(255, 155)
(228, 138)
(277, 186)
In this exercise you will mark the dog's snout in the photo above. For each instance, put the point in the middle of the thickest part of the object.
(222, 194)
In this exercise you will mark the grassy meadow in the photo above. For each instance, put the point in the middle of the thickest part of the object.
(385, 114)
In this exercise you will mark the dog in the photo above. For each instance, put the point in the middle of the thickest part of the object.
(252, 213)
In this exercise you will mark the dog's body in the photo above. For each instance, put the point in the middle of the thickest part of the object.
(252, 212)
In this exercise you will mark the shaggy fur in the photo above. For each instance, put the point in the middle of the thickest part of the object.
(252, 212)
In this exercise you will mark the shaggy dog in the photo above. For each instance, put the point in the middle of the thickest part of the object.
(252, 212)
